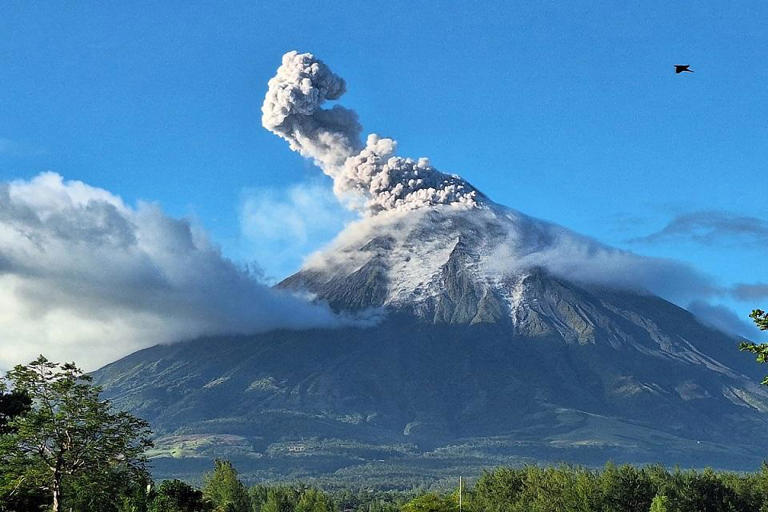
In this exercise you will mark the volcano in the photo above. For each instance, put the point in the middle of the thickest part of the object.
(468, 362)
(477, 336)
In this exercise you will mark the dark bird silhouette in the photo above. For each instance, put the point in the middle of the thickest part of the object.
(679, 68)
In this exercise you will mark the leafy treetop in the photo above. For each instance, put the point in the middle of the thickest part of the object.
(68, 431)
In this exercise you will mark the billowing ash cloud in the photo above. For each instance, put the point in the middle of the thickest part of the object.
(83, 276)
(370, 178)
(292, 110)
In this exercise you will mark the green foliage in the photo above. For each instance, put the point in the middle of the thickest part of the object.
(313, 500)
(431, 502)
(21, 495)
(178, 496)
(525, 489)
(760, 350)
(625, 489)
(15, 495)
(563, 488)
(494, 490)
(660, 503)
(300, 498)
(280, 499)
(369, 500)
(12, 405)
(257, 496)
(114, 490)
(760, 318)
(702, 492)
(617, 489)
(68, 442)
(224, 490)
(533, 489)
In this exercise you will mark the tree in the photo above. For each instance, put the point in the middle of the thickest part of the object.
(258, 496)
(112, 490)
(280, 499)
(431, 502)
(660, 503)
(178, 496)
(12, 404)
(68, 432)
(760, 318)
(760, 350)
(314, 500)
(700, 491)
(625, 489)
(224, 490)
(497, 490)
(12, 496)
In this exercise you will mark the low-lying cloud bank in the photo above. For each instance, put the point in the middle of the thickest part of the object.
(711, 227)
(723, 318)
(578, 258)
(753, 291)
(84, 276)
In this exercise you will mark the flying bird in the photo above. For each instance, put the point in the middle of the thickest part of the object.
(679, 68)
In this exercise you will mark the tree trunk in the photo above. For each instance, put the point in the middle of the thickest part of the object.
(56, 489)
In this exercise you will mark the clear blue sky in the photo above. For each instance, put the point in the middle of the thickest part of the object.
(570, 113)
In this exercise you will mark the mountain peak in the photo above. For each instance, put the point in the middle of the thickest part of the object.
(443, 264)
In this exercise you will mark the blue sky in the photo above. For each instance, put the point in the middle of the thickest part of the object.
(570, 113)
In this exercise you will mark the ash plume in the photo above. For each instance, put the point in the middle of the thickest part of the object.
(370, 178)
(292, 110)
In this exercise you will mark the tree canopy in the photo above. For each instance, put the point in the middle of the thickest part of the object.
(178, 496)
(224, 490)
(67, 441)
(760, 350)
(12, 404)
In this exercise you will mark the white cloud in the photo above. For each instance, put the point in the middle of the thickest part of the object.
(85, 277)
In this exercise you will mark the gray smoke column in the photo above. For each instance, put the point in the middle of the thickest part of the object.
(370, 178)
(292, 110)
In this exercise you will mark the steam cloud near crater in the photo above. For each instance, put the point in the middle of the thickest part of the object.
(370, 177)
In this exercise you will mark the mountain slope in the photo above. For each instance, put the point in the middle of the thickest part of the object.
(477, 361)
(472, 335)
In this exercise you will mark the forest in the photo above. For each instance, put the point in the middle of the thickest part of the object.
(526, 489)
(63, 448)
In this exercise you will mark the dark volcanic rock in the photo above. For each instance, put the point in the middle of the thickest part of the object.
(579, 377)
